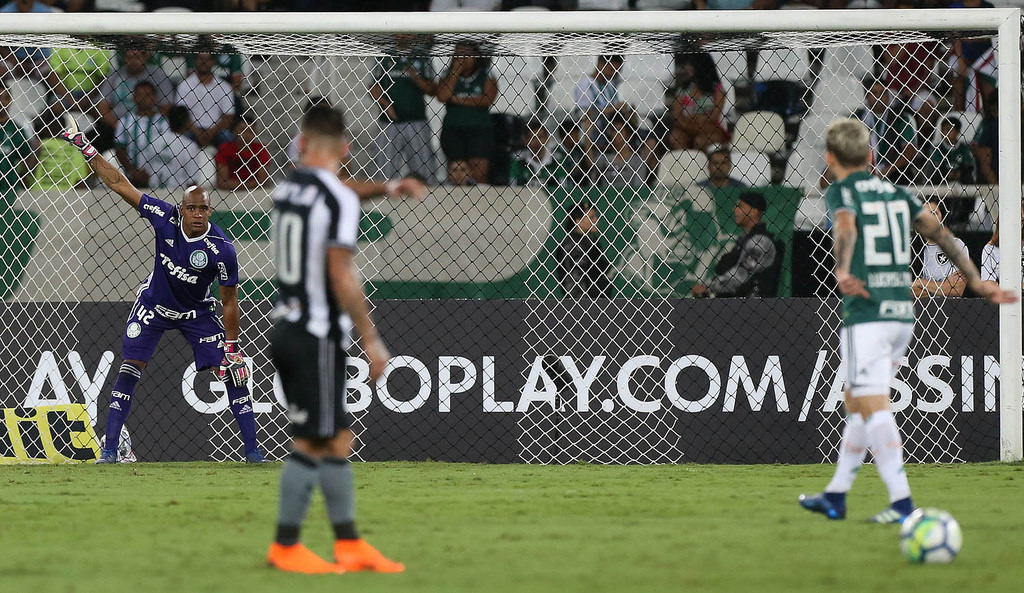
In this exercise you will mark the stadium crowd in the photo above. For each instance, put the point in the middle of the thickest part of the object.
(930, 106)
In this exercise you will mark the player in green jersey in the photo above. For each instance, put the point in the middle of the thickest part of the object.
(871, 224)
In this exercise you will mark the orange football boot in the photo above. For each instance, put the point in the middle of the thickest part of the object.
(299, 558)
(357, 554)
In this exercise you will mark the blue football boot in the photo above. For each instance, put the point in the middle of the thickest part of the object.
(817, 503)
(255, 456)
(107, 456)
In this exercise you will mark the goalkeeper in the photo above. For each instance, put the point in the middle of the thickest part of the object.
(191, 253)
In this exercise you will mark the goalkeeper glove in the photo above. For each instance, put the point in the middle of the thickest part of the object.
(77, 139)
(233, 366)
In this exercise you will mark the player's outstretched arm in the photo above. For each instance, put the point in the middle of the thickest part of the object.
(110, 175)
(932, 229)
(368, 190)
(113, 178)
(348, 293)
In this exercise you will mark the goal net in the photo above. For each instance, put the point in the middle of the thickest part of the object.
(624, 257)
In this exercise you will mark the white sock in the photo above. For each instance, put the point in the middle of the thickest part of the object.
(887, 447)
(852, 450)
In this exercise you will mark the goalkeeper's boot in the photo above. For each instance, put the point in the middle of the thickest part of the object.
(888, 516)
(357, 554)
(255, 456)
(299, 558)
(819, 503)
(107, 456)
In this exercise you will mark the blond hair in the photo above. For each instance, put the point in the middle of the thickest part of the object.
(848, 140)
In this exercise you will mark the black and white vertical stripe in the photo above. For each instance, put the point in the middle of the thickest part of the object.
(329, 212)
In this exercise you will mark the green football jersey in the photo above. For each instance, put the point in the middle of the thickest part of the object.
(881, 258)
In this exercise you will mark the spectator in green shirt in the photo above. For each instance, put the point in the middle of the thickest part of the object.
(467, 133)
(61, 165)
(951, 158)
(893, 136)
(17, 153)
(537, 165)
(75, 75)
(400, 86)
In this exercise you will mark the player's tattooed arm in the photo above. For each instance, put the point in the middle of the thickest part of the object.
(931, 228)
(113, 178)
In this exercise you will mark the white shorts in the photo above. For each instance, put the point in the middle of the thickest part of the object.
(871, 353)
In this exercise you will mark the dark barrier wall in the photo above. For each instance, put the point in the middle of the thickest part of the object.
(723, 381)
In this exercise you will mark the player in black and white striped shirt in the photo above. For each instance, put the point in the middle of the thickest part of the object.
(320, 298)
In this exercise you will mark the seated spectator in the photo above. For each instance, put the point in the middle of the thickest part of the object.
(537, 165)
(117, 91)
(751, 268)
(990, 257)
(61, 166)
(893, 146)
(135, 132)
(242, 163)
(467, 133)
(17, 153)
(573, 152)
(597, 99)
(209, 100)
(907, 70)
(695, 103)
(951, 159)
(939, 278)
(986, 143)
(75, 75)
(400, 86)
(25, 62)
(719, 169)
(582, 265)
(967, 57)
(173, 158)
(623, 165)
(227, 66)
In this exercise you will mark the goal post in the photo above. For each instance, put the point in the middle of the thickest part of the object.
(498, 357)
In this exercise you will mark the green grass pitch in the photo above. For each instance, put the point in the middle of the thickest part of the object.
(197, 527)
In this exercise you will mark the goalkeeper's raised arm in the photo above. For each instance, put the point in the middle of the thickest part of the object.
(110, 175)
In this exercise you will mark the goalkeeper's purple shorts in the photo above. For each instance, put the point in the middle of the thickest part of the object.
(205, 333)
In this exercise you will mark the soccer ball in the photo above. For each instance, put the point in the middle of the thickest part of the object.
(125, 454)
(930, 536)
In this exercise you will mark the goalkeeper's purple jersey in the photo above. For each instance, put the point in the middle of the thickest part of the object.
(184, 270)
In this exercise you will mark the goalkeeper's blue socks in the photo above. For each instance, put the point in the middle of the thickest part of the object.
(241, 408)
(120, 403)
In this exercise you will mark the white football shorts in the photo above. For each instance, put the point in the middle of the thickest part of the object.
(872, 353)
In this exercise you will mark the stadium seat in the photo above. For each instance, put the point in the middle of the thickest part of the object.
(752, 168)
(804, 166)
(762, 131)
(28, 99)
(781, 64)
(683, 167)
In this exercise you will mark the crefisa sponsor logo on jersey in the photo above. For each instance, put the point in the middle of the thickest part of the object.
(198, 259)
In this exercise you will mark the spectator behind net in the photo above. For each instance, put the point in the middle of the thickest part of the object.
(582, 265)
(751, 268)
(174, 159)
(952, 160)
(696, 103)
(719, 170)
(467, 133)
(242, 163)
(61, 166)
